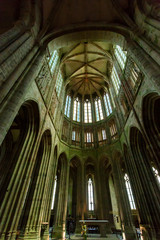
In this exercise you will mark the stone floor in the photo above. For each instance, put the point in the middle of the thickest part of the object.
(93, 237)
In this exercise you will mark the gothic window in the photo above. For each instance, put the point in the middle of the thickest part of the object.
(53, 61)
(88, 135)
(59, 83)
(67, 106)
(54, 193)
(115, 79)
(102, 136)
(121, 56)
(98, 109)
(76, 137)
(134, 74)
(113, 129)
(107, 104)
(129, 192)
(90, 195)
(156, 174)
(76, 110)
(87, 112)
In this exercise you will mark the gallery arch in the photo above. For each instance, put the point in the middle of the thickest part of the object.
(17, 164)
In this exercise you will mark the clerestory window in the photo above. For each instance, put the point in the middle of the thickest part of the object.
(53, 61)
(129, 192)
(67, 106)
(87, 112)
(59, 83)
(98, 109)
(107, 103)
(76, 110)
(121, 56)
(116, 80)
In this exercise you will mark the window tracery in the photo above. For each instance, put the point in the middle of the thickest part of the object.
(98, 109)
(90, 195)
(107, 103)
(53, 61)
(67, 106)
(115, 79)
(87, 112)
(76, 110)
(59, 83)
(120, 56)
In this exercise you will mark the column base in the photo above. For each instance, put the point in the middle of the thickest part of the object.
(28, 234)
(8, 236)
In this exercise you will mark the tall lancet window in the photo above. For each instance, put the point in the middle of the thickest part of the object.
(87, 112)
(98, 108)
(67, 106)
(53, 61)
(116, 80)
(107, 103)
(54, 192)
(121, 56)
(90, 195)
(129, 192)
(76, 110)
(59, 83)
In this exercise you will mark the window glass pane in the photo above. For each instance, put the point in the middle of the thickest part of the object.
(98, 109)
(129, 192)
(115, 80)
(107, 104)
(67, 106)
(59, 83)
(54, 192)
(87, 112)
(121, 56)
(90, 195)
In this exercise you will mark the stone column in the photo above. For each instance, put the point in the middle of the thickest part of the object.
(14, 198)
(148, 66)
(122, 199)
(32, 219)
(11, 107)
(79, 199)
(59, 231)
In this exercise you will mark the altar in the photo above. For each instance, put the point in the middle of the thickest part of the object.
(101, 223)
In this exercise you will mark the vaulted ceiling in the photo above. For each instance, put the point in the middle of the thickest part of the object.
(85, 67)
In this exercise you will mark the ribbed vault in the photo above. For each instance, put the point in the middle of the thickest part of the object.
(86, 67)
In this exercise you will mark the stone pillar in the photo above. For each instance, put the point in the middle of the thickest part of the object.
(145, 62)
(79, 199)
(32, 219)
(122, 199)
(59, 231)
(14, 199)
(12, 106)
